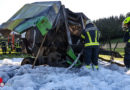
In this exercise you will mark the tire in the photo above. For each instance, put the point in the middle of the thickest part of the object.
(27, 60)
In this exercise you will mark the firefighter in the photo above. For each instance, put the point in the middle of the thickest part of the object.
(3, 46)
(126, 28)
(18, 46)
(90, 38)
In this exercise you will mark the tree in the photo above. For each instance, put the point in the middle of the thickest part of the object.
(110, 27)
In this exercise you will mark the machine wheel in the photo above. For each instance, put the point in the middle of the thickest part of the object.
(27, 60)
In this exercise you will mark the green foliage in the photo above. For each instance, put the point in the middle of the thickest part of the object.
(110, 27)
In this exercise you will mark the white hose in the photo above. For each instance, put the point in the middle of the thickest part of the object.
(74, 61)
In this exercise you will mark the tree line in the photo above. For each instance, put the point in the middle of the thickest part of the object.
(110, 28)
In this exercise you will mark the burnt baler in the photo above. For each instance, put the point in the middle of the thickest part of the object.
(52, 33)
(60, 41)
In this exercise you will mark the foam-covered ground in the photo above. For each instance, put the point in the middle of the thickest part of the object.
(16, 77)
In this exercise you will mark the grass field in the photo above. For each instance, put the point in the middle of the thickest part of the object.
(107, 57)
(120, 40)
(13, 56)
(120, 50)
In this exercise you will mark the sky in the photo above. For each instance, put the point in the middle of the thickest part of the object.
(93, 9)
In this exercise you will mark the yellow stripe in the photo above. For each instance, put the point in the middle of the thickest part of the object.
(96, 66)
(127, 30)
(91, 44)
(129, 40)
(82, 36)
(90, 40)
(88, 66)
(96, 36)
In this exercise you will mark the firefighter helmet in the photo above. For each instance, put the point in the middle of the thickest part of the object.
(88, 21)
(127, 20)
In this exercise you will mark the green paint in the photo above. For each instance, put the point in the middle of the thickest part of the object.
(71, 54)
(43, 25)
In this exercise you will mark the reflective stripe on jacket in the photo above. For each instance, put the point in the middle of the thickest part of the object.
(91, 38)
(129, 37)
(129, 41)
(18, 45)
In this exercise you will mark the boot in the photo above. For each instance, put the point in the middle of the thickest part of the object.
(88, 66)
(96, 67)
